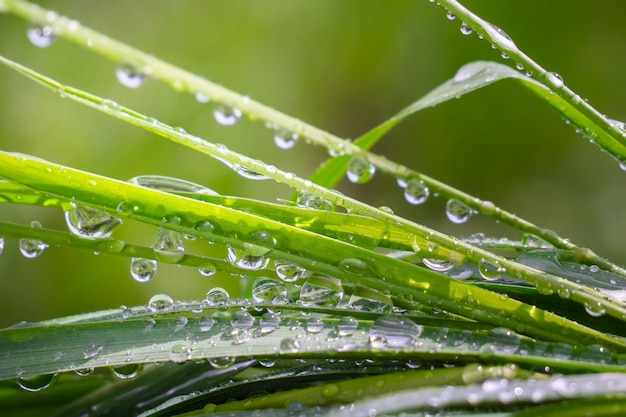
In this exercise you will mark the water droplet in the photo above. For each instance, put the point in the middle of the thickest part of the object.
(222, 363)
(90, 223)
(269, 322)
(242, 320)
(289, 345)
(355, 266)
(457, 212)
(129, 371)
(84, 372)
(217, 296)
(130, 76)
(439, 265)
(314, 325)
(160, 303)
(207, 269)
(309, 200)
(367, 299)
(489, 270)
(201, 98)
(322, 291)
(180, 353)
(268, 290)
(91, 351)
(143, 269)
(171, 185)
(226, 115)
(360, 170)
(288, 271)
(149, 323)
(168, 246)
(285, 139)
(252, 257)
(460, 272)
(32, 248)
(554, 80)
(450, 16)
(347, 326)
(247, 173)
(41, 36)
(502, 341)
(37, 383)
(206, 323)
(181, 322)
(1, 245)
(500, 37)
(394, 332)
(416, 192)
(595, 310)
(466, 29)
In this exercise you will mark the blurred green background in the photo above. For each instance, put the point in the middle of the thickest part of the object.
(343, 66)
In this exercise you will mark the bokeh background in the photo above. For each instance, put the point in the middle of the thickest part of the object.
(343, 66)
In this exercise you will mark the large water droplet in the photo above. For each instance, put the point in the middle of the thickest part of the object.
(288, 271)
(130, 76)
(500, 37)
(394, 332)
(171, 185)
(90, 223)
(37, 383)
(242, 320)
(1, 245)
(595, 310)
(91, 351)
(222, 363)
(355, 266)
(160, 303)
(180, 353)
(322, 291)
(32, 248)
(466, 29)
(289, 345)
(347, 326)
(439, 265)
(360, 170)
(255, 247)
(206, 323)
(285, 139)
(143, 269)
(217, 296)
(226, 115)
(41, 36)
(368, 299)
(248, 173)
(457, 212)
(489, 270)
(554, 80)
(314, 325)
(129, 371)
(268, 290)
(207, 269)
(416, 192)
(311, 201)
(269, 322)
(168, 246)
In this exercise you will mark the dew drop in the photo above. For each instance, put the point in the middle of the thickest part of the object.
(368, 299)
(90, 223)
(269, 322)
(268, 290)
(288, 271)
(181, 322)
(130, 76)
(180, 353)
(171, 185)
(490, 271)
(222, 363)
(248, 173)
(347, 326)
(206, 323)
(457, 212)
(130, 371)
(37, 383)
(360, 170)
(252, 257)
(91, 351)
(201, 98)
(143, 269)
(160, 303)
(285, 139)
(32, 248)
(500, 37)
(355, 266)
(207, 269)
(41, 36)
(242, 320)
(226, 115)
(217, 296)
(416, 192)
(168, 246)
(314, 325)
(439, 265)
(84, 372)
(466, 29)
(1, 245)
(321, 291)
(554, 80)
(289, 345)
(394, 332)
(305, 199)
(450, 16)
(149, 323)
(595, 310)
